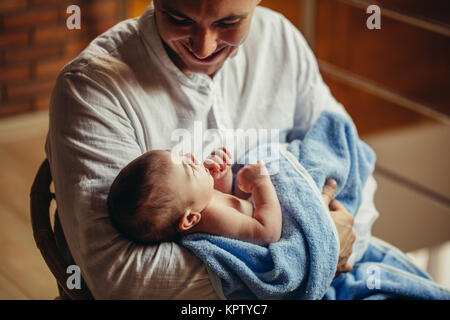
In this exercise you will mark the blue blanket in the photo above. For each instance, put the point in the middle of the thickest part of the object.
(302, 264)
(384, 272)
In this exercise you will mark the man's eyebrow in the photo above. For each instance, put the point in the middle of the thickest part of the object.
(182, 15)
(234, 17)
(175, 12)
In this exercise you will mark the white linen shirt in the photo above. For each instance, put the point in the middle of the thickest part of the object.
(123, 96)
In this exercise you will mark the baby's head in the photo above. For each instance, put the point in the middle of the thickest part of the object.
(159, 195)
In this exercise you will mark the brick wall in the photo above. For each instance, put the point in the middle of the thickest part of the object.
(35, 44)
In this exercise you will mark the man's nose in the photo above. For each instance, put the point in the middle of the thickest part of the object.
(203, 43)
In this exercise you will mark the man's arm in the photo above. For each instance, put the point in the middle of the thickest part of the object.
(91, 138)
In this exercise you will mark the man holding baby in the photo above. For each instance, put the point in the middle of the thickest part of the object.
(226, 64)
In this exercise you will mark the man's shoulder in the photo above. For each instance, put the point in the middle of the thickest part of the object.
(271, 21)
(273, 30)
(105, 46)
(267, 14)
(274, 44)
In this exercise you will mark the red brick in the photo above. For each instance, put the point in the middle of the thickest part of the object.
(13, 39)
(10, 74)
(31, 18)
(50, 68)
(33, 53)
(72, 48)
(42, 102)
(102, 9)
(29, 89)
(101, 26)
(12, 5)
(55, 33)
(39, 3)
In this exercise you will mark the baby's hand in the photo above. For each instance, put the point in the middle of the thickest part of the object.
(252, 175)
(218, 162)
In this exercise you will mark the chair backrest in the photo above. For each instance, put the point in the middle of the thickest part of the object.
(52, 243)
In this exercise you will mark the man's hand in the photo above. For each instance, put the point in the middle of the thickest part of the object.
(344, 225)
(218, 163)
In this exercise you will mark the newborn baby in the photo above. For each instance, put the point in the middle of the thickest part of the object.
(161, 196)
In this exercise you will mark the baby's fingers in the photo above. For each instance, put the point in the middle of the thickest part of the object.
(228, 153)
(211, 165)
(222, 156)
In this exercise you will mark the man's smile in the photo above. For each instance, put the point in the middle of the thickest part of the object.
(208, 60)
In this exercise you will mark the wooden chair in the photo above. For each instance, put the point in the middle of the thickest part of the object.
(51, 241)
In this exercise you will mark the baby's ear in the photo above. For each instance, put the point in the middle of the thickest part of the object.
(189, 219)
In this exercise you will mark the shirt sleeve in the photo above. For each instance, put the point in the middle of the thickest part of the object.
(90, 139)
(313, 98)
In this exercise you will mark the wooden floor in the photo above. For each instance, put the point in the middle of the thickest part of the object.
(23, 273)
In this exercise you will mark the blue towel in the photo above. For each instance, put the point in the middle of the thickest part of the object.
(303, 263)
(384, 272)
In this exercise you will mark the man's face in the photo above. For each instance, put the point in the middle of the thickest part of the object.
(200, 35)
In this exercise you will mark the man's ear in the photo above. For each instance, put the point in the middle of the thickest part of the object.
(189, 219)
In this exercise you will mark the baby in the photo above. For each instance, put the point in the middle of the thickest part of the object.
(161, 196)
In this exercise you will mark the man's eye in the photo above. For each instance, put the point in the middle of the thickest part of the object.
(228, 24)
(178, 20)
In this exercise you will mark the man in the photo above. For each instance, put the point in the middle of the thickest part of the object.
(226, 64)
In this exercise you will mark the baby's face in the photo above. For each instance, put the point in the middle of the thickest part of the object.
(191, 181)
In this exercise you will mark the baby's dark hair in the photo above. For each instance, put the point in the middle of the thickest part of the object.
(140, 202)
